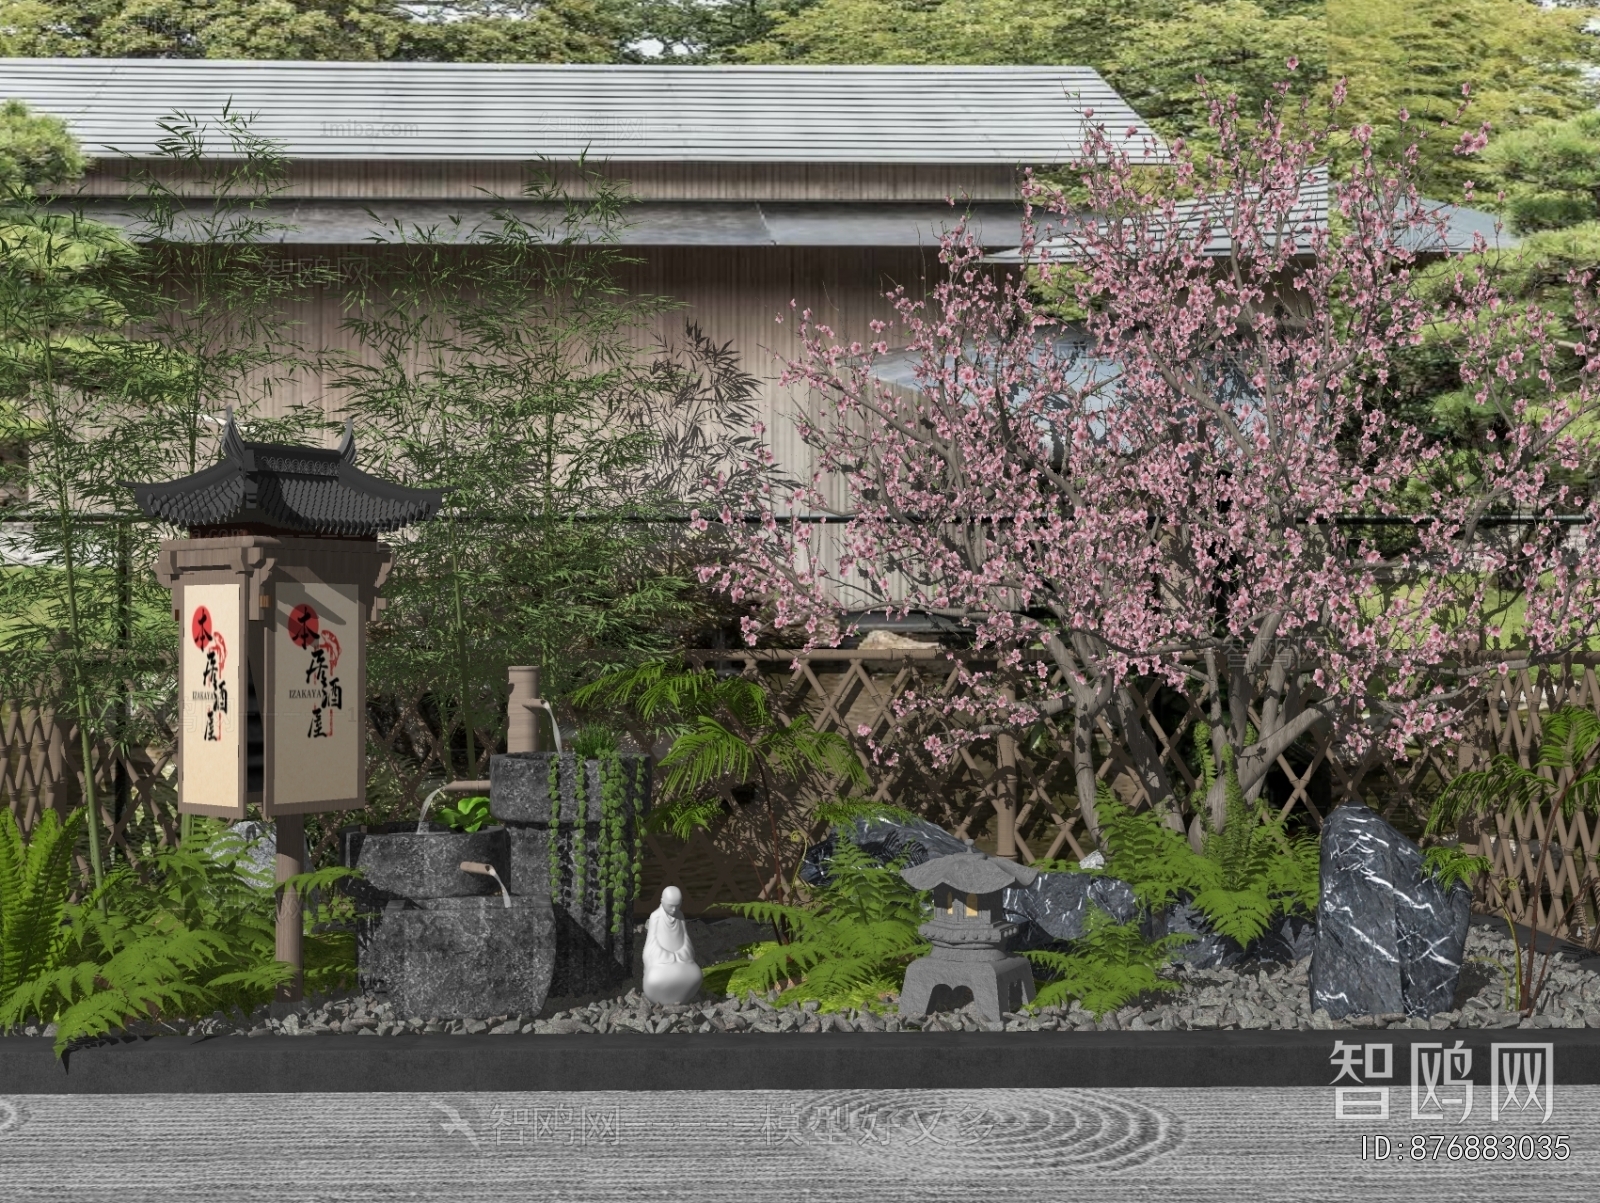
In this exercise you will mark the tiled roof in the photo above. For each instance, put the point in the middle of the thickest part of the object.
(638, 113)
(304, 490)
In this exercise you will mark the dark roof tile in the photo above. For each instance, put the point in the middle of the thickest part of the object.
(305, 490)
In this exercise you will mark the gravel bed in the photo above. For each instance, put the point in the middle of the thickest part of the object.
(1252, 997)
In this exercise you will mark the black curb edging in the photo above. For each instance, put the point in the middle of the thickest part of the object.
(794, 1061)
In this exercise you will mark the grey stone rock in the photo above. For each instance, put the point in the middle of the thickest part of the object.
(259, 846)
(461, 957)
(1388, 939)
(590, 956)
(995, 985)
(414, 865)
(1288, 941)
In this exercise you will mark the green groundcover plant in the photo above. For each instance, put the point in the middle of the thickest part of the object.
(1106, 967)
(848, 947)
(850, 944)
(188, 933)
(1244, 876)
(469, 814)
(726, 740)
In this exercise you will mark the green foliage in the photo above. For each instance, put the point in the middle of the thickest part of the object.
(1524, 62)
(848, 948)
(36, 150)
(724, 737)
(846, 812)
(1534, 273)
(190, 932)
(37, 878)
(118, 348)
(1567, 774)
(593, 742)
(613, 874)
(553, 848)
(580, 832)
(1550, 173)
(693, 31)
(1106, 967)
(469, 814)
(1448, 864)
(551, 31)
(1248, 872)
(620, 859)
(1151, 53)
(510, 372)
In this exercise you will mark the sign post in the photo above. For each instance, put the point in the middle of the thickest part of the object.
(273, 588)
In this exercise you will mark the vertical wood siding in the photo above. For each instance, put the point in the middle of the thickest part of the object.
(447, 179)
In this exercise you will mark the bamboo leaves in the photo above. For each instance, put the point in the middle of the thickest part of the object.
(725, 737)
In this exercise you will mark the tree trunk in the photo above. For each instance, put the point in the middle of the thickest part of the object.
(1007, 788)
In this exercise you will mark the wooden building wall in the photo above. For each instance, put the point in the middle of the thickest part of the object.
(734, 294)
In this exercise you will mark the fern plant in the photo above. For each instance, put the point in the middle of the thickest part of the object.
(37, 877)
(1244, 876)
(1449, 864)
(848, 948)
(1106, 967)
(192, 932)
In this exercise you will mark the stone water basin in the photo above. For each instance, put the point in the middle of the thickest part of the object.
(466, 958)
(438, 940)
(409, 864)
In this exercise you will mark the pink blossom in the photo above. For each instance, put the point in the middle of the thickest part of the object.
(1186, 505)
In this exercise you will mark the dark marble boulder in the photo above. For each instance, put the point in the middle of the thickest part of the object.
(1206, 948)
(1290, 939)
(1286, 940)
(1054, 906)
(883, 840)
(461, 957)
(1388, 938)
(593, 926)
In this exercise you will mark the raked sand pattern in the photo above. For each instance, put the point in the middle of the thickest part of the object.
(1227, 1145)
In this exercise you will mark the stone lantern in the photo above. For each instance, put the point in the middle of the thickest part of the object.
(273, 588)
(968, 933)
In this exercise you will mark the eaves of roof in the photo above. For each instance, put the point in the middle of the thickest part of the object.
(645, 223)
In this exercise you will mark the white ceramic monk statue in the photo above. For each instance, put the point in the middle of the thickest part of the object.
(670, 973)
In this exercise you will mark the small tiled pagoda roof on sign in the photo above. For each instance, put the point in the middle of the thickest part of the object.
(289, 490)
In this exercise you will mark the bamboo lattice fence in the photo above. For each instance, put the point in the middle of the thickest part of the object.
(1549, 857)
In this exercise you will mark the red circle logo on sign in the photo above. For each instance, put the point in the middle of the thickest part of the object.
(200, 628)
(303, 625)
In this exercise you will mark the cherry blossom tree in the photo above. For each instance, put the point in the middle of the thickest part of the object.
(1210, 484)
